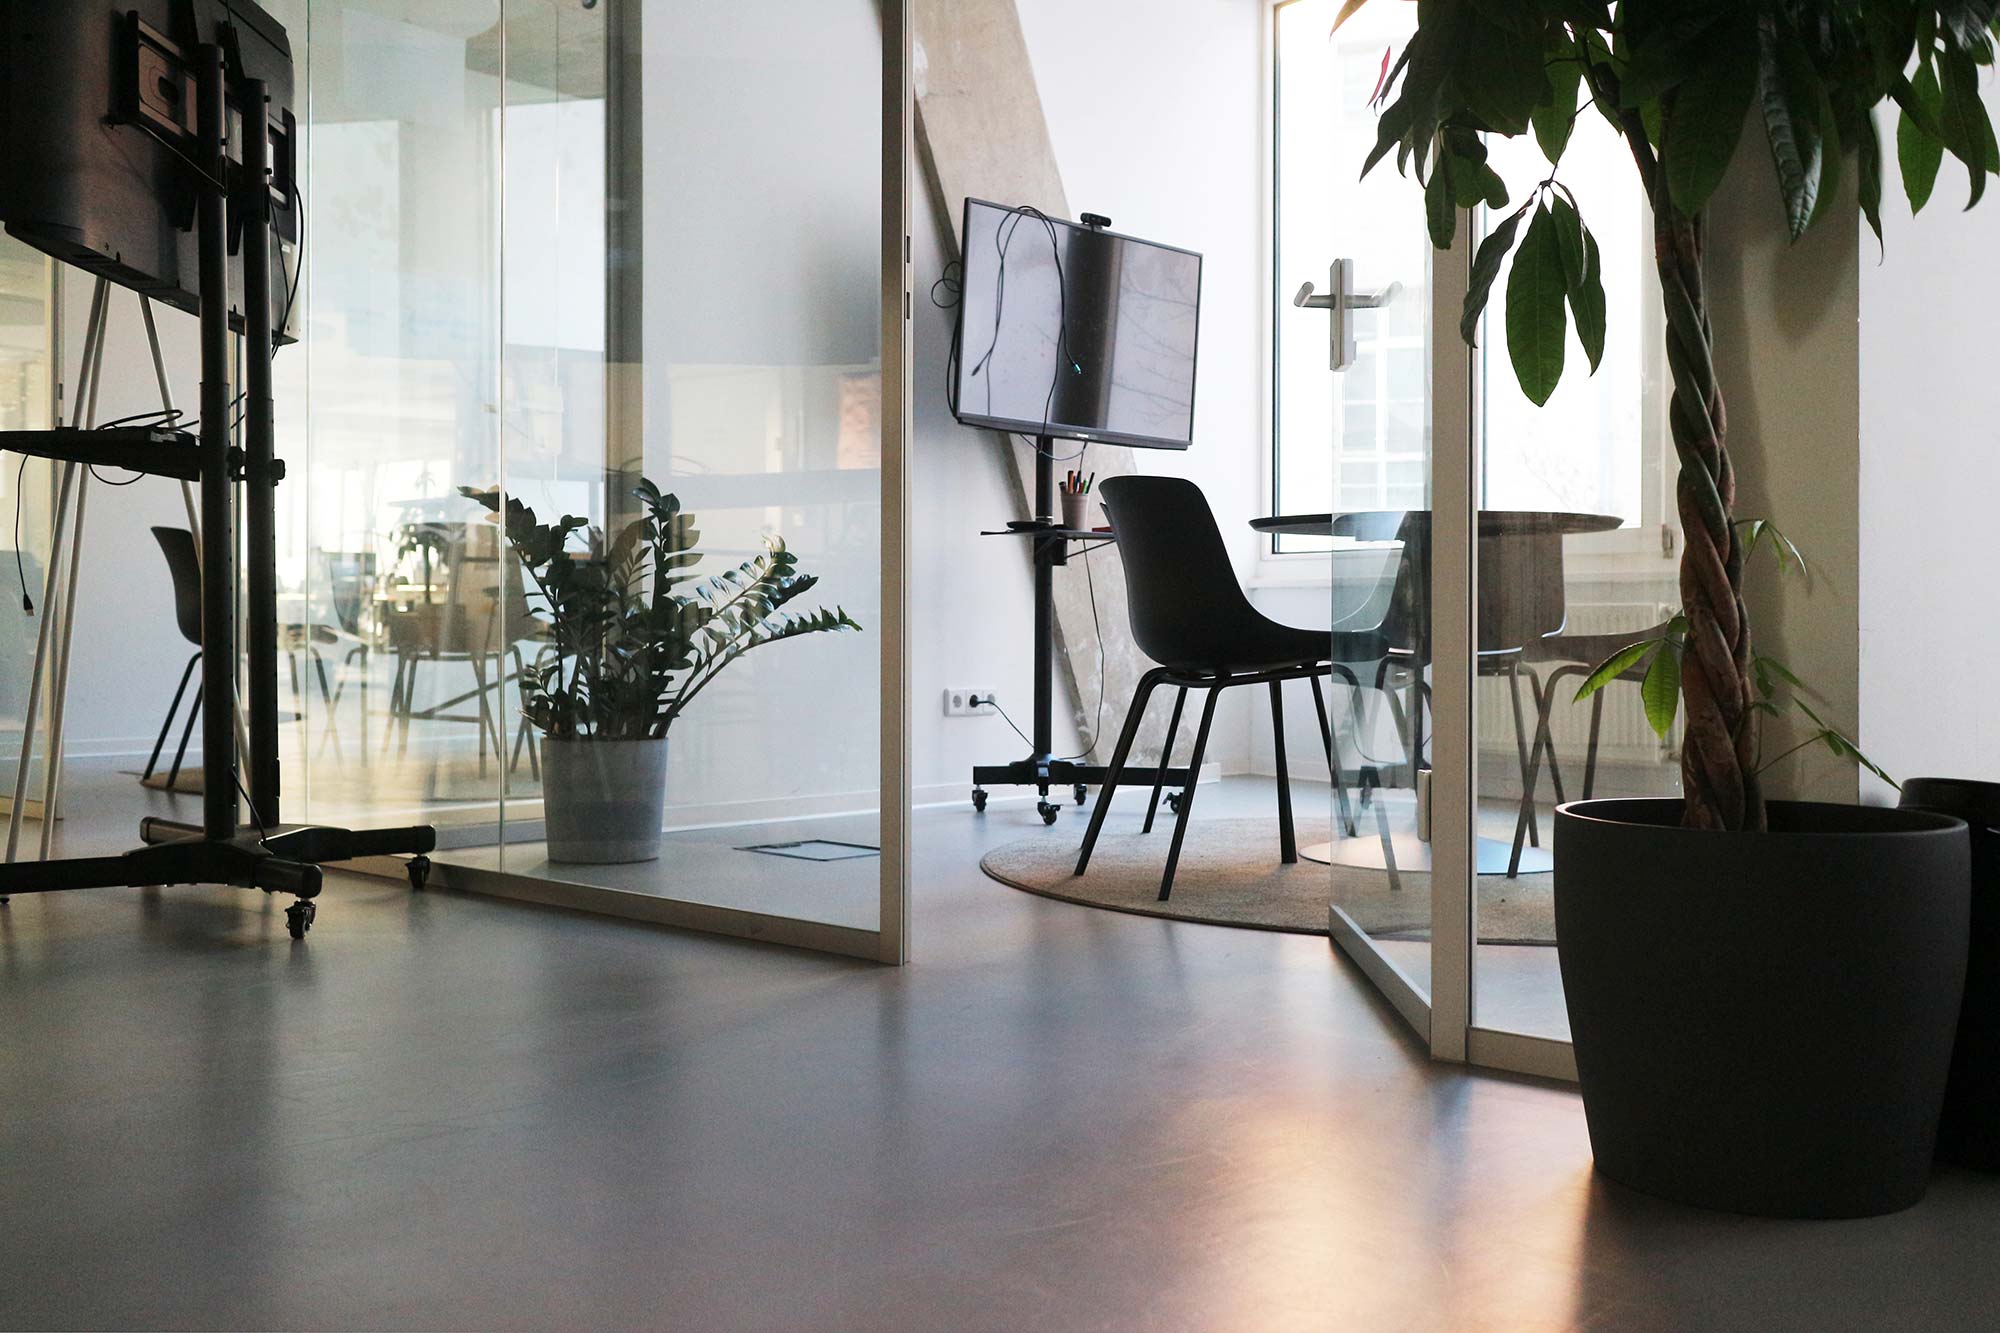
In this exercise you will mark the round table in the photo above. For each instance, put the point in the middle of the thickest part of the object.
(1400, 848)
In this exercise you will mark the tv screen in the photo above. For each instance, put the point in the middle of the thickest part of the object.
(1074, 332)
(88, 91)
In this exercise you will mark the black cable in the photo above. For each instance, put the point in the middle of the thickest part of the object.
(103, 480)
(20, 558)
(161, 416)
(995, 706)
(1003, 239)
(263, 833)
(954, 287)
(1096, 727)
(299, 269)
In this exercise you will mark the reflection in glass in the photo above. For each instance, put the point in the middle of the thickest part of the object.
(556, 249)
(1587, 480)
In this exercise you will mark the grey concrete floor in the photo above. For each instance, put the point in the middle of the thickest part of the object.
(443, 1111)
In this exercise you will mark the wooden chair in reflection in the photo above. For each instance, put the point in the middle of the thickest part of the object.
(478, 617)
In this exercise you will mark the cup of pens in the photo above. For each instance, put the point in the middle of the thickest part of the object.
(1075, 501)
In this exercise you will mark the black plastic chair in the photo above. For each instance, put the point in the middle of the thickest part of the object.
(184, 568)
(1190, 615)
(177, 545)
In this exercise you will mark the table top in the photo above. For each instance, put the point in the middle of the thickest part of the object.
(1383, 524)
(1073, 534)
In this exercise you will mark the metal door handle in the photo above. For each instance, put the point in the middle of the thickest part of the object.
(1337, 302)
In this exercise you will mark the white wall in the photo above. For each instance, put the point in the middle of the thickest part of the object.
(1930, 478)
(1155, 111)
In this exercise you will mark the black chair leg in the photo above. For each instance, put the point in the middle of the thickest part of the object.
(194, 711)
(167, 723)
(1333, 762)
(1531, 776)
(1187, 796)
(1521, 745)
(1166, 757)
(1133, 717)
(1288, 841)
(1590, 755)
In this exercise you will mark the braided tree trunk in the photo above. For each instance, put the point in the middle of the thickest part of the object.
(1718, 760)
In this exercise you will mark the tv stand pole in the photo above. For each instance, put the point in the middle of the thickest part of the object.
(1049, 546)
(217, 850)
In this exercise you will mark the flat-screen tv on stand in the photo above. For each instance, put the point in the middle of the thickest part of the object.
(1070, 331)
(1075, 332)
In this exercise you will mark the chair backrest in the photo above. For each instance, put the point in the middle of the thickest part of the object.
(1521, 586)
(1185, 603)
(1521, 582)
(349, 580)
(177, 545)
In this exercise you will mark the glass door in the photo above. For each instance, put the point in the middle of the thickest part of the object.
(1363, 408)
(1484, 554)
(641, 269)
(1577, 557)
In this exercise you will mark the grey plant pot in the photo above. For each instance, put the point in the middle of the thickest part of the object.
(603, 801)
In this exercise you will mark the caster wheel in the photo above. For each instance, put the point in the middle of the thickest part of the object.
(1174, 800)
(420, 873)
(299, 918)
(1082, 794)
(1047, 812)
(979, 799)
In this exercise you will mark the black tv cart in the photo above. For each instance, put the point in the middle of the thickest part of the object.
(1051, 546)
(269, 857)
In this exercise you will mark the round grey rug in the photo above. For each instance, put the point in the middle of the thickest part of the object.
(1230, 875)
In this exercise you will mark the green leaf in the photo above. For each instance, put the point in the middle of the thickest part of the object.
(1661, 690)
(1537, 325)
(1555, 118)
(1868, 155)
(1586, 303)
(1706, 116)
(1441, 203)
(1485, 268)
(1962, 116)
(1569, 236)
(1614, 666)
(1506, 77)
(1919, 147)
(1790, 92)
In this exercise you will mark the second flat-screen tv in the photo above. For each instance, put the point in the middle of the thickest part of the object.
(1075, 332)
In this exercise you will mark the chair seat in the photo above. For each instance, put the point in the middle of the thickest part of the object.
(1273, 646)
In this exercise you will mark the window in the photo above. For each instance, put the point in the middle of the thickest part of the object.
(1597, 445)
(1361, 439)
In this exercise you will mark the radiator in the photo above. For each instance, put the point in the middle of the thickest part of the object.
(1624, 737)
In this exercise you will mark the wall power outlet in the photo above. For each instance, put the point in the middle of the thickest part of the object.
(958, 701)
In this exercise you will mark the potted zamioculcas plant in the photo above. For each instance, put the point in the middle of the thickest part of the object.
(633, 634)
(1762, 994)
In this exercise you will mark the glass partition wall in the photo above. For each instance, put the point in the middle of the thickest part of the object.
(559, 252)
(1483, 553)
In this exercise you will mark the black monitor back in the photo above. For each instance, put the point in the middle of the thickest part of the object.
(83, 180)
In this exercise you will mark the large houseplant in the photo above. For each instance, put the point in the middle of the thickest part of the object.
(1761, 993)
(633, 633)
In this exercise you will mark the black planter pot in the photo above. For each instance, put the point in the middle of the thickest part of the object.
(1969, 1132)
(1763, 1021)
